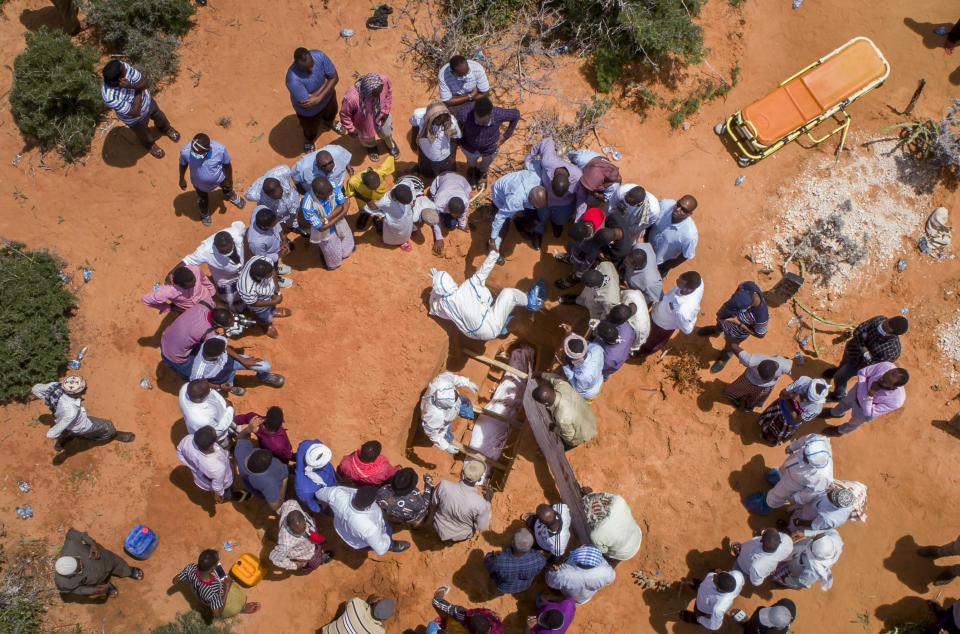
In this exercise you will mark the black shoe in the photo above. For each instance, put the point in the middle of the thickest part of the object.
(564, 283)
(708, 331)
(399, 545)
(569, 298)
(362, 219)
(536, 241)
(719, 364)
(834, 396)
(687, 616)
(828, 373)
(832, 430)
(557, 229)
(501, 261)
(326, 557)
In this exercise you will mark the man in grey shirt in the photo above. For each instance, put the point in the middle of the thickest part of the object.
(640, 272)
(265, 237)
(459, 510)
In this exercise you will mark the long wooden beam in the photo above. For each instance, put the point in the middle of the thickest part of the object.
(497, 364)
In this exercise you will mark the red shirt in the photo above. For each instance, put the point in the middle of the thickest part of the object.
(361, 473)
(594, 216)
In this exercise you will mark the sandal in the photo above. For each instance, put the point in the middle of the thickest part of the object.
(125, 436)
(406, 248)
(237, 390)
(112, 591)
(172, 134)
(373, 155)
(282, 312)
(156, 151)
(250, 608)
(137, 574)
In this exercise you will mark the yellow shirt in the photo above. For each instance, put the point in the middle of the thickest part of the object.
(355, 186)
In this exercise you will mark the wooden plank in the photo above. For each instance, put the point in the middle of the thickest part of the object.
(497, 364)
(513, 422)
(553, 450)
(473, 453)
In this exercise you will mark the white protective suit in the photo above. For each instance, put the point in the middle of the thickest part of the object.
(440, 406)
(807, 472)
(470, 305)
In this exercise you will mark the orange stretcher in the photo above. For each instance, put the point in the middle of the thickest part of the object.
(804, 101)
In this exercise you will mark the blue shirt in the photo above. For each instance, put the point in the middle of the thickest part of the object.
(305, 170)
(301, 84)
(304, 487)
(206, 173)
(316, 214)
(509, 194)
(267, 485)
(670, 240)
(587, 378)
(514, 574)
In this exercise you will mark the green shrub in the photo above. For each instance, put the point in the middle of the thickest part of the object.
(191, 623)
(607, 65)
(34, 308)
(147, 32)
(56, 95)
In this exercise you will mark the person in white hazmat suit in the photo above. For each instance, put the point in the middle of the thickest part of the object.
(807, 472)
(471, 305)
(439, 407)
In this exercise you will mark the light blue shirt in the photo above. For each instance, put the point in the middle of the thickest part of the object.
(587, 378)
(670, 240)
(509, 194)
(828, 515)
(287, 206)
(305, 170)
(206, 173)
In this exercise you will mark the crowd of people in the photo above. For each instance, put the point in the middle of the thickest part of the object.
(623, 244)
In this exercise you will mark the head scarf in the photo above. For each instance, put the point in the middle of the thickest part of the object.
(574, 356)
(366, 86)
(817, 451)
(587, 556)
(383, 609)
(435, 110)
(317, 457)
(443, 283)
(812, 394)
(820, 553)
(840, 497)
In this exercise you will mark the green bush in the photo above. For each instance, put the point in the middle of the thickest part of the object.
(34, 308)
(147, 32)
(607, 65)
(191, 623)
(25, 588)
(56, 95)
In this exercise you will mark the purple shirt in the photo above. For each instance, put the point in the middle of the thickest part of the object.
(206, 173)
(550, 162)
(567, 607)
(301, 84)
(187, 330)
(616, 354)
(482, 139)
(883, 400)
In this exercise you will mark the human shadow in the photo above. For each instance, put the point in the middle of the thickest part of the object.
(744, 424)
(121, 148)
(665, 607)
(178, 431)
(153, 341)
(186, 591)
(749, 480)
(926, 30)
(912, 570)
(908, 610)
(185, 204)
(286, 137)
(425, 538)
(167, 379)
(945, 426)
(469, 580)
(711, 393)
(49, 16)
(182, 478)
(701, 562)
(80, 599)
(75, 446)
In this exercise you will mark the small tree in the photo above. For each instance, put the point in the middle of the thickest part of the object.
(147, 32)
(34, 308)
(56, 95)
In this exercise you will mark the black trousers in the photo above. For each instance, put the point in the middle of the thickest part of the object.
(142, 129)
(311, 125)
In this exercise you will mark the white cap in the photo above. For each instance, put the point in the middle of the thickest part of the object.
(67, 566)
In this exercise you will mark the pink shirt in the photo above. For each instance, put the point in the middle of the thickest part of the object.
(883, 400)
(353, 118)
(186, 331)
(182, 298)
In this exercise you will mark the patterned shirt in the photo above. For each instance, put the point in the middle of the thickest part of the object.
(462, 615)
(209, 592)
(287, 205)
(404, 509)
(867, 337)
(293, 546)
(756, 318)
(252, 291)
(121, 99)
(316, 211)
(514, 573)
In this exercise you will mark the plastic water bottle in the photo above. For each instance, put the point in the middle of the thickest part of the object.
(940, 30)
(901, 265)
(229, 545)
(562, 49)
(87, 274)
(480, 55)
(156, 286)
(904, 311)
(797, 3)
(23, 485)
(739, 180)
(146, 384)
(799, 358)
(75, 364)
(25, 512)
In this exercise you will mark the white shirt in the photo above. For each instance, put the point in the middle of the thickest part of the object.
(580, 584)
(758, 564)
(468, 305)
(359, 529)
(435, 419)
(213, 411)
(640, 321)
(673, 240)
(714, 602)
(449, 84)
(639, 217)
(445, 188)
(398, 219)
(222, 268)
(440, 148)
(71, 414)
(676, 311)
(554, 544)
(211, 471)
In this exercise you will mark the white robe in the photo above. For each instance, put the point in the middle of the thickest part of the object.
(757, 564)
(716, 603)
(640, 322)
(470, 305)
(801, 481)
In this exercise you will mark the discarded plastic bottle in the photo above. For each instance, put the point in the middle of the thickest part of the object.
(156, 286)
(904, 311)
(940, 30)
(25, 512)
(23, 485)
(480, 55)
(75, 364)
(901, 265)
(616, 156)
(65, 279)
(87, 274)
(740, 180)
(228, 545)
(797, 3)
(146, 384)
(562, 49)
(804, 341)
(923, 245)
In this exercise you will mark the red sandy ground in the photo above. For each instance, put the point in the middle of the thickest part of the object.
(360, 346)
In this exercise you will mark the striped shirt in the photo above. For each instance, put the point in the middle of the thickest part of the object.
(121, 99)
(204, 369)
(554, 543)
(209, 592)
(357, 618)
(252, 291)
